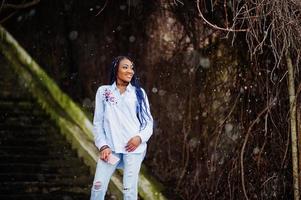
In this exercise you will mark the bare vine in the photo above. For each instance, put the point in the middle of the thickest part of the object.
(10, 9)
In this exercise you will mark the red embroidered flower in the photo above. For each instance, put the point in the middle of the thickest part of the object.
(108, 95)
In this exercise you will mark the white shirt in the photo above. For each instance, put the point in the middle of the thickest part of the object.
(115, 119)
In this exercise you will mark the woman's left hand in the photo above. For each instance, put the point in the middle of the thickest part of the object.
(133, 143)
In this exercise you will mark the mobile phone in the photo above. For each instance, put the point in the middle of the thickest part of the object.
(113, 159)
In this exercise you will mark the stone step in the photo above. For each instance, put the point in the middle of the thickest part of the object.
(24, 150)
(49, 163)
(44, 187)
(23, 140)
(9, 88)
(41, 142)
(36, 150)
(55, 153)
(23, 111)
(24, 127)
(32, 140)
(16, 112)
(9, 82)
(47, 196)
(43, 168)
(23, 120)
(22, 133)
(77, 182)
(22, 105)
(8, 96)
(35, 159)
(11, 98)
(35, 142)
(43, 177)
(47, 190)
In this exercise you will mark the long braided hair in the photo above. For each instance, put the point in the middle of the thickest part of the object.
(141, 108)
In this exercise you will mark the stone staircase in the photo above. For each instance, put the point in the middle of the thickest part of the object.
(36, 162)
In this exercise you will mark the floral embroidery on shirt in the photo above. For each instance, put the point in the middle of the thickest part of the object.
(108, 95)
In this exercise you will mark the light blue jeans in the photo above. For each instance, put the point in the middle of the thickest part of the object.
(131, 163)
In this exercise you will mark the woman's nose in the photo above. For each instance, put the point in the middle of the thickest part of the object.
(130, 70)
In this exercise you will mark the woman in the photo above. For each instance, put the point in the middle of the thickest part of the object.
(122, 125)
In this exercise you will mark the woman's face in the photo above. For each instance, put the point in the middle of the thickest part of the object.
(125, 71)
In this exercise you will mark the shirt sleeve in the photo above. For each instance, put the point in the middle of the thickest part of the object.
(98, 130)
(146, 133)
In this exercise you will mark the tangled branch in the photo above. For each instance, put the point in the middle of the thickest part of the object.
(21, 6)
(12, 9)
(215, 26)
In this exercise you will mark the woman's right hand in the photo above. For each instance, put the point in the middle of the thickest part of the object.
(104, 154)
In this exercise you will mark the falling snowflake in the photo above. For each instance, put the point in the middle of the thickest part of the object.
(132, 38)
(73, 35)
(154, 90)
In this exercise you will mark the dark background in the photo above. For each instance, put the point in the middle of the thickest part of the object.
(203, 89)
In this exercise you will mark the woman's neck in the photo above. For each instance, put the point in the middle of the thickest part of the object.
(121, 85)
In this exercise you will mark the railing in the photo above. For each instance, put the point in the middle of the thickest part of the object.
(71, 120)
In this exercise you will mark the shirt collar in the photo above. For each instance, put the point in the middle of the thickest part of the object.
(129, 88)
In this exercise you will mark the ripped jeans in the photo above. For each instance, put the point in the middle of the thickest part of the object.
(131, 163)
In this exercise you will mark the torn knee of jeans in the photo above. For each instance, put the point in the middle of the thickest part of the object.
(126, 189)
(97, 185)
